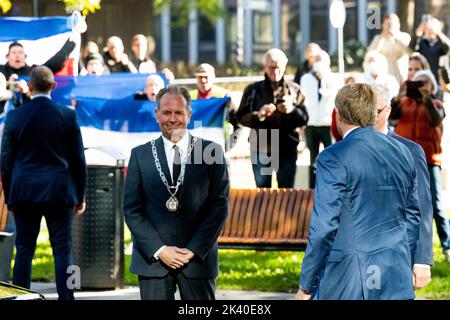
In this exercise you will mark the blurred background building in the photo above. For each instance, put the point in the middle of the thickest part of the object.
(246, 30)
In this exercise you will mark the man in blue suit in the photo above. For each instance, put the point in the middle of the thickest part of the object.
(365, 220)
(423, 259)
(44, 174)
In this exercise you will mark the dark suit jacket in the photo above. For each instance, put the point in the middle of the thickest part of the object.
(365, 220)
(204, 205)
(424, 251)
(42, 157)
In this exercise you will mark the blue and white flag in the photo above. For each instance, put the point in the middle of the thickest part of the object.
(42, 38)
(113, 122)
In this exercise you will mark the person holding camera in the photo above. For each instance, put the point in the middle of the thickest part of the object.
(431, 42)
(393, 44)
(274, 108)
(420, 115)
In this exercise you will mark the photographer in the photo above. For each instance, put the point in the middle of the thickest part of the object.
(431, 42)
(420, 115)
(274, 108)
(14, 90)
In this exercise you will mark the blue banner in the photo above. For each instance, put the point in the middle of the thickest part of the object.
(108, 103)
(26, 28)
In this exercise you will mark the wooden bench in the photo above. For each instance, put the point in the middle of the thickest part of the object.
(269, 219)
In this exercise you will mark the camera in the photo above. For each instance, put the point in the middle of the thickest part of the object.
(412, 89)
(426, 17)
(13, 86)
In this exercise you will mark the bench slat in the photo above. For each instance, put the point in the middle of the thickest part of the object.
(267, 218)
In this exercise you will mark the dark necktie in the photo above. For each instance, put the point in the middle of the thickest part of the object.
(176, 164)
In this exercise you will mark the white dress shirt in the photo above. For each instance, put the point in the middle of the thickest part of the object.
(319, 111)
(183, 145)
(347, 133)
(37, 95)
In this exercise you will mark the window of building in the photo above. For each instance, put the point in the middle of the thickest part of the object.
(319, 22)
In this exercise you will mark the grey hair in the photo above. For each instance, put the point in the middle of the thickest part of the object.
(382, 92)
(157, 78)
(427, 74)
(275, 54)
(175, 90)
(113, 39)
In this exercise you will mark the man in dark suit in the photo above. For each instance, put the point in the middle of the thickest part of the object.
(365, 220)
(423, 259)
(44, 174)
(175, 204)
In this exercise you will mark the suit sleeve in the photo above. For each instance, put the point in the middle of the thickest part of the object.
(145, 237)
(8, 155)
(215, 210)
(412, 212)
(56, 62)
(78, 162)
(424, 251)
(328, 202)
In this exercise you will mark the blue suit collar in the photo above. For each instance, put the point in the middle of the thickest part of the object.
(359, 131)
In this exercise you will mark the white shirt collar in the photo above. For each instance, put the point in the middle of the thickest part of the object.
(183, 144)
(385, 131)
(37, 95)
(347, 133)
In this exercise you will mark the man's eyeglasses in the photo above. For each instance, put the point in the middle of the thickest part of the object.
(381, 110)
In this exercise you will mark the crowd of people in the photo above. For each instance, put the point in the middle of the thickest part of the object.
(382, 178)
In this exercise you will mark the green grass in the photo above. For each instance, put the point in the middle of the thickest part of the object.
(252, 270)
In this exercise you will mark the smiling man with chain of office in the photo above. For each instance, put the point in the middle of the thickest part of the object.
(176, 202)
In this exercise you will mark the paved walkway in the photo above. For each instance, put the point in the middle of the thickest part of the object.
(48, 289)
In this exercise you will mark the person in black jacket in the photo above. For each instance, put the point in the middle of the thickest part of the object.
(43, 172)
(432, 43)
(274, 109)
(115, 57)
(16, 67)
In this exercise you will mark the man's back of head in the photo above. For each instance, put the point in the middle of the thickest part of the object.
(41, 80)
(356, 105)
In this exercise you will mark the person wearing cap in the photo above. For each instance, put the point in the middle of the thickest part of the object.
(420, 120)
(205, 75)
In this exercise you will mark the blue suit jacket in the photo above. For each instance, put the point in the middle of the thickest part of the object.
(42, 156)
(365, 220)
(424, 251)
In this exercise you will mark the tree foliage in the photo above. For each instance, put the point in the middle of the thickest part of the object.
(211, 9)
(84, 6)
(5, 5)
